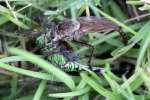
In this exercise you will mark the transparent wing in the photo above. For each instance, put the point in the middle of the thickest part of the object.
(94, 24)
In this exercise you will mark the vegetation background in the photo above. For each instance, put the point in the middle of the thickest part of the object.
(126, 75)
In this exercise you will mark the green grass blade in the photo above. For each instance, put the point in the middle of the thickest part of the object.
(71, 94)
(46, 66)
(11, 59)
(96, 86)
(40, 90)
(39, 75)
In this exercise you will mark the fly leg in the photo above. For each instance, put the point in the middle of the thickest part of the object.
(123, 36)
(90, 46)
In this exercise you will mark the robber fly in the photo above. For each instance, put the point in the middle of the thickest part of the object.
(74, 29)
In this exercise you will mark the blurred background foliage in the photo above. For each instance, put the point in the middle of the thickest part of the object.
(21, 20)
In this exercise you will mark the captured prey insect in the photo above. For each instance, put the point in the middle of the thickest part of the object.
(74, 29)
(68, 62)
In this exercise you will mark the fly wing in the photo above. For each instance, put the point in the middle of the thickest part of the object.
(94, 24)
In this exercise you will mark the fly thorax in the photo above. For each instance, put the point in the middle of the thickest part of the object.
(67, 28)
